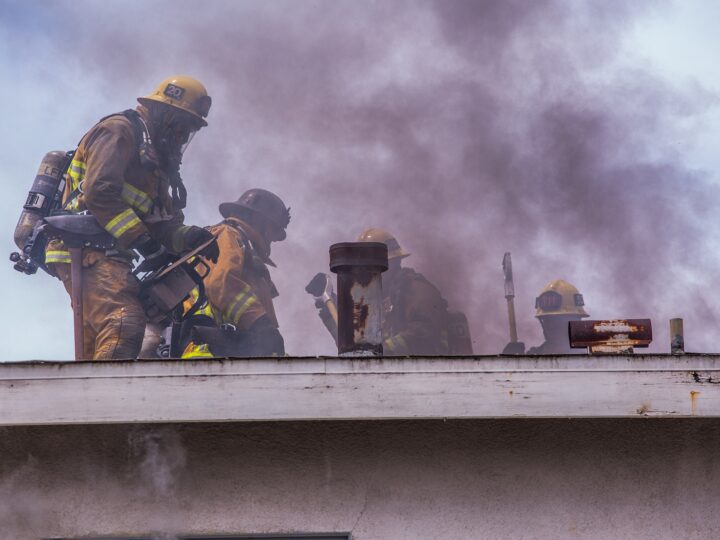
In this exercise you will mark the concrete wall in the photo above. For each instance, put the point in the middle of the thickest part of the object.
(390, 480)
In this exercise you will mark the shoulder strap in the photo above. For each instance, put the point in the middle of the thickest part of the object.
(140, 130)
(235, 225)
(140, 133)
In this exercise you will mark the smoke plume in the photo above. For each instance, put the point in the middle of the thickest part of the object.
(157, 460)
(467, 128)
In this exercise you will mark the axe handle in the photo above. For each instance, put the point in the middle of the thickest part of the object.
(332, 309)
(77, 299)
(328, 315)
(511, 318)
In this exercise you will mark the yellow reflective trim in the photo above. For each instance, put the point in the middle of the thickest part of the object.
(129, 225)
(73, 205)
(57, 256)
(396, 344)
(240, 305)
(120, 224)
(237, 300)
(402, 342)
(76, 171)
(206, 309)
(248, 303)
(196, 351)
(136, 198)
(79, 164)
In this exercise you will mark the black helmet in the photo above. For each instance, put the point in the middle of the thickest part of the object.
(263, 203)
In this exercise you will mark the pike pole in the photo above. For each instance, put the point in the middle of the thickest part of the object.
(77, 299)
(510, 296)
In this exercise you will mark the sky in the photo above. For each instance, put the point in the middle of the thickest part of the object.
(578, 135)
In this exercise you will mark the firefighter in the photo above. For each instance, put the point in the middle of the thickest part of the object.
(239, 318)
(125, 172)
(558, 304)
(415, 316)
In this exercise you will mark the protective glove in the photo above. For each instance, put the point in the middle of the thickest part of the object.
(265, 339)
(516, 347)
(154, 253)
(196, 236)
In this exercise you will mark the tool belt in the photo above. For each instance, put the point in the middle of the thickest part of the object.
(74, 230)
(78, 230)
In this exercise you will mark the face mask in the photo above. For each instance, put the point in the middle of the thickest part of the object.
(176, 131)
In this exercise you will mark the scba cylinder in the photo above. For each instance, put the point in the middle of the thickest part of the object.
(43, 196)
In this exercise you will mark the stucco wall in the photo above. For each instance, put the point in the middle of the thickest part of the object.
(469, 479)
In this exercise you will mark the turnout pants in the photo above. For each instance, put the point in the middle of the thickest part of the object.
(114, 319)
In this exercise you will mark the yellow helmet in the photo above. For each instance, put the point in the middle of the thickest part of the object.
(184, 93)
(381, 235)
(560, 298)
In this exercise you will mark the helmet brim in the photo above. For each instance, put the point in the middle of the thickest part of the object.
(400, 254)
(148, 101)
(233, 209)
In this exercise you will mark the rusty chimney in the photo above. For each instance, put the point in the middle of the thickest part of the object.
(359, 267)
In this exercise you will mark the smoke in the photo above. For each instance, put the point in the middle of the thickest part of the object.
(141, 467)
(21, 509)
(467, 128)
(160, 458)
(157, 461)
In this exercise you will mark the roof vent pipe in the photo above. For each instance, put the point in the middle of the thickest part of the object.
(359, 267)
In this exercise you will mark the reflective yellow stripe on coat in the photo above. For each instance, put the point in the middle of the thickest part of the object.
(76, 175)
(240, 304)
(76, 172)
(123, 222)
(136, 198)
(57, 256)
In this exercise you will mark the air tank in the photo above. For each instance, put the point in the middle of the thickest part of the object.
(44, 194)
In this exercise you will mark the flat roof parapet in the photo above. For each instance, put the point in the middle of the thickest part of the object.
(327, 388)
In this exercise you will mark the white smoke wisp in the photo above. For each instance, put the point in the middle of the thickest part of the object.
(24, 510)
(158, 462)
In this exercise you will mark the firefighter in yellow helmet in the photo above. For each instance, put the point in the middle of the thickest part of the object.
(125, 172)
(239, 319)
(414, 312)
(556, 305)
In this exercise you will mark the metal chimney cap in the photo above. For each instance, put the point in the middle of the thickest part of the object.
(358, 254)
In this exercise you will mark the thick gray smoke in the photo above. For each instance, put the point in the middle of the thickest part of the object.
(468, 128)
